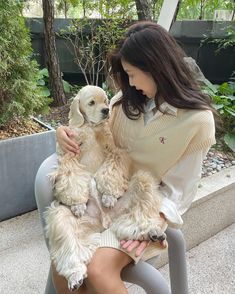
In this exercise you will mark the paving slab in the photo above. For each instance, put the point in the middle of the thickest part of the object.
(24, 260)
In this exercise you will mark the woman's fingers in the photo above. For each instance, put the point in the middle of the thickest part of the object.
(66, 139)
(141, 248)
(69, 148)
(130, 245)
(133, 245)
(126, 244)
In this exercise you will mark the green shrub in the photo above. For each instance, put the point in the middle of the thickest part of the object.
(43, 83)
(223, 97)
(19, 93)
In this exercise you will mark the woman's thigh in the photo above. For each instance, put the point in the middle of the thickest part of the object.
(108, 261)
(104, 271)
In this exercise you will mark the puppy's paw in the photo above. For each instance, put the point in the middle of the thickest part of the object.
(106, 221)
(108, 201)
(156, 235)
(75, 281)
(78, 209)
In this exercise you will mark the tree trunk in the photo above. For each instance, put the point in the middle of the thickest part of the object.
(176, 12)
(55, 79)
(144, 10)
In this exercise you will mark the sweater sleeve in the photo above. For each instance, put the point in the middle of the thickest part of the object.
(204, 135)
(179, 187)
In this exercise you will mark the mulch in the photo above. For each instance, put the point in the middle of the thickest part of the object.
(19, 127)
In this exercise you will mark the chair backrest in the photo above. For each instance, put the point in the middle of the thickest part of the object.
(167, 13)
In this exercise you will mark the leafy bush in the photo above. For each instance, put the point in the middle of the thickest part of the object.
(43, 83)
(227, 41)
(223, 97)
(19, 93)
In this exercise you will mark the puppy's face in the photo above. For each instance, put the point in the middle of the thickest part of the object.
(94, 104)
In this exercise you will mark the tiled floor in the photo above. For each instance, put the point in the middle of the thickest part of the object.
(24, 260)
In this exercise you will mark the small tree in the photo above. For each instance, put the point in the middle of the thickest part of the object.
(91, 40)
(19, 94)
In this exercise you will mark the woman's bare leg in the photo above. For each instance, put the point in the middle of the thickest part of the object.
(104, 273)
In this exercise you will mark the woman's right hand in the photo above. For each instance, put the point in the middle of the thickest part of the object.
(66, 139)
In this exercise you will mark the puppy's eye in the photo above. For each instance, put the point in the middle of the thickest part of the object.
(92, 102)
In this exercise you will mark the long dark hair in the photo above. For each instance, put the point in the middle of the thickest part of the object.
(149, 47)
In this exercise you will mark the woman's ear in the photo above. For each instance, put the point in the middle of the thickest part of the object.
(76, 118)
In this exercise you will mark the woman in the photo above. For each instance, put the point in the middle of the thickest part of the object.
(165, 122)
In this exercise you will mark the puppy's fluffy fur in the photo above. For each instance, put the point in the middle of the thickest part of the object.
(73, 234)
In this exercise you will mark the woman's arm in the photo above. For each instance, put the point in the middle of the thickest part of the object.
(180, 186)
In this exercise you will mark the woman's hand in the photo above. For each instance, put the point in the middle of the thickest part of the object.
(66, 139)
(131, 245)
(140, 246)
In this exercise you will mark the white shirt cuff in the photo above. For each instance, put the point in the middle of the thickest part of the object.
(171, 213)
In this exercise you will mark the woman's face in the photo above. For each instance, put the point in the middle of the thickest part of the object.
(141, 80)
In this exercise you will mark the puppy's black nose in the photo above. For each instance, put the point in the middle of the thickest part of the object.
(105, 111)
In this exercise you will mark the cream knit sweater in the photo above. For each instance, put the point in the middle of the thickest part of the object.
(159, 145)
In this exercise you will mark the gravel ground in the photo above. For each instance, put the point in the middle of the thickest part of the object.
(215, 161)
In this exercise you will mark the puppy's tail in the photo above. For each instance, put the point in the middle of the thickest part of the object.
(65, 231)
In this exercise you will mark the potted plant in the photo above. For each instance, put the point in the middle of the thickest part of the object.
(21, 95)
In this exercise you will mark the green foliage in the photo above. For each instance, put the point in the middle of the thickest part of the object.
(96, 9)
(223, 97)
(43, 83)
(19, 93)
(67, 87)
(227, 41)
(202, 9)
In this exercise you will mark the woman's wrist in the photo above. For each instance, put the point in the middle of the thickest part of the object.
(162, 215)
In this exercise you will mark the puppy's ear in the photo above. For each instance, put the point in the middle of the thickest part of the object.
(76, 118)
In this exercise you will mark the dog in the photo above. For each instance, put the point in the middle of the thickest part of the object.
(101, 174)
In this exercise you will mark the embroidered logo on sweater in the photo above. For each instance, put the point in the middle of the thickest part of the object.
(162, 140)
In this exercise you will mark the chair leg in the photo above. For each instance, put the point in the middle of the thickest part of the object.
(49, 286)
(177, 262)
(145, 276)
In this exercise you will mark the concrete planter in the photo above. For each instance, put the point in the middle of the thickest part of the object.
(20, 159)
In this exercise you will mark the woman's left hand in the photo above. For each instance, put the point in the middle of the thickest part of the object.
(134, 244)
(140, 246)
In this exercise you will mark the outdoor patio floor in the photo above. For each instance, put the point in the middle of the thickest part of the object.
(24, 260)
